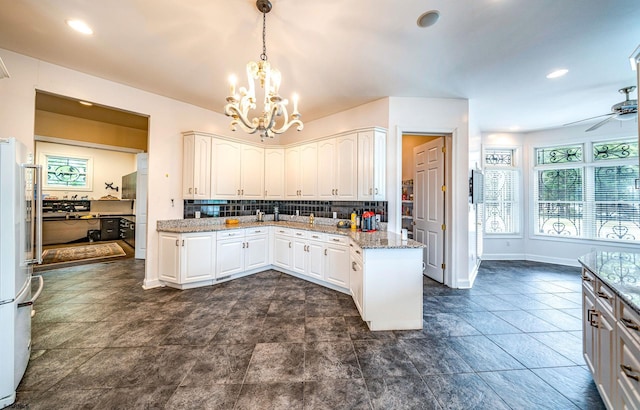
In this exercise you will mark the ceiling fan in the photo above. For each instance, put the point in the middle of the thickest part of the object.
(624, 110)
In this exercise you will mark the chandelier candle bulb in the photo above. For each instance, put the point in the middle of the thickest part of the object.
(232, 85)
(295, 104)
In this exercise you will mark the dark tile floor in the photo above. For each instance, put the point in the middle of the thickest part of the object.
(271, 341)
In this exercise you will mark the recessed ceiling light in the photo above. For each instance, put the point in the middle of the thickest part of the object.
(87, 103)
(557, 73)
(428, 19)
(80, 26)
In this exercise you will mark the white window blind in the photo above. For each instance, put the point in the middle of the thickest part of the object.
(587, 191)
(501, 192)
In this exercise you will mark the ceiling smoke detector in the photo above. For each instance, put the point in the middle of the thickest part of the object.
(428, 19)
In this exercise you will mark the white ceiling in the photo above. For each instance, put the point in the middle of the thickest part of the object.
(338, 54)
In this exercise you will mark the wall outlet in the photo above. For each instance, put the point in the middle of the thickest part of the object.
(335, 215)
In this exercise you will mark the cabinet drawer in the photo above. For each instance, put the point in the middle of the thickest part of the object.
(232, 233)
(300, 234)
(316, 236)
(256, 231)
(338, 239)
(283, 231)
(629, 320)
(356, 249)
(605, 295)
(628, 363)
(588, 279)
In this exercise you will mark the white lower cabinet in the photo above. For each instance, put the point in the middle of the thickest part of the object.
(187, 258)
(387, 301)
(611, 344)
(308, 254)
(242, 250)
(282, 248)
(336, 265)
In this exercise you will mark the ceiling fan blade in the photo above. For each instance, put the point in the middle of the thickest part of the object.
(600, 124)
(587, 119)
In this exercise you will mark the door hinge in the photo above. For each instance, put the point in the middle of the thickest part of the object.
(444, 188)
(444, 150)
(443, 266)
(444, 227)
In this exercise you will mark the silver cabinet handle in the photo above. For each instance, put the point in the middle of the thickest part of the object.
(289, 244)
(628, 371)
(242, 192)
(603, 295)
(376, 191)
(183, 242)
(353, 266)
(335, 240)
(325, 252)
(196, 190)
(238, 192)
(177, 242)
(247, 245)
(190, 190)
(629, 324)
(242, 245)
(265, 192)
(358, 252)
(336, 192)
(587, 279)
(315, 236)
(298, 233)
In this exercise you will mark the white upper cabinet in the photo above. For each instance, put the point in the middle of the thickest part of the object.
(371, 165)
(301, 169)
(196, 167)
(274, 175)
(337, 172)
(237, 170)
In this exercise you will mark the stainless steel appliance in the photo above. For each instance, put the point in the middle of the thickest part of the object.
(20, 249)
(129, 183)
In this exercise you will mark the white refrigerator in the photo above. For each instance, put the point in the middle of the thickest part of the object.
(20, 249)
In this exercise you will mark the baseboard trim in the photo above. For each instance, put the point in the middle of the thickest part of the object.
(530, 257)
(503, 256)
(150, 284)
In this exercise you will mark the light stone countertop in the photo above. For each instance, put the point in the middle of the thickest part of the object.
(618, 270)
(366, 240)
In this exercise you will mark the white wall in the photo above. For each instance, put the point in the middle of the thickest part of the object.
(435, 115)
(546, 249)
(108, 166)
(168, 118)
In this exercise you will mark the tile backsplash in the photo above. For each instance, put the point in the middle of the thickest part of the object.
(322, 209)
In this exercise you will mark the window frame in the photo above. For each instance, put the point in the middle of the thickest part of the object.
(588, 166)
(519, 203)
(44, 160)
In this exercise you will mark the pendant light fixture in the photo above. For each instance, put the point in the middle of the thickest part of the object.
(274, 118)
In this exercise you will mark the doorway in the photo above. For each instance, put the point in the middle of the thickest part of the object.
(86, 149)
(424, 196)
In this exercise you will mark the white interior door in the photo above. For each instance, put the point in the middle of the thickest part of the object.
(429, 205)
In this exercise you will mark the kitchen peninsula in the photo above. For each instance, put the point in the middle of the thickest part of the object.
(611, 325)
(382, 272)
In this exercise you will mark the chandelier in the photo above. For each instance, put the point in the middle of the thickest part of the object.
(239, 104)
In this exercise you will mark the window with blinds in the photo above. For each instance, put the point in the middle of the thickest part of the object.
(588, 191)
(501, 192)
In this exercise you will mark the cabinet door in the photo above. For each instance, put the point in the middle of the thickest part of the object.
(202, 167)
(252, 186)
(327, 178)
(282, 251)
(627, 367)
(380, 166)
(299, 263)
(225, 169)
(274, 173)
(292, 172)
(198, 257)
(309, 171)
(606, 360)
(356, 284)
(365, 165)
(336, 268)
(315, 256)
(256, 253)
(188, 166)
(346, 165)
(589, 332)
(230, 257)
(169, 257)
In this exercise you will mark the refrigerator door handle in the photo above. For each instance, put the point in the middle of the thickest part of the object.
(31, 301)
(37, 245)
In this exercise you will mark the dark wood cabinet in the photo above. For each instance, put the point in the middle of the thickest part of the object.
(109, 229)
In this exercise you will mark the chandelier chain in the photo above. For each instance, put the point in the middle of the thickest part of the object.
(263, 56)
